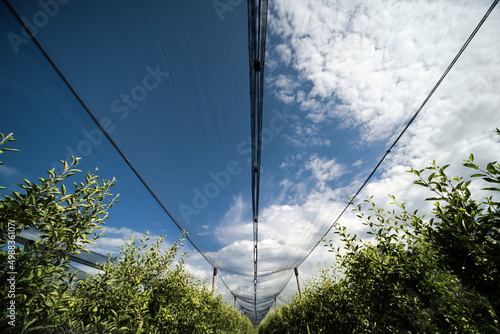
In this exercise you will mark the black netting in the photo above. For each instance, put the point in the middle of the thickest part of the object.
(171, 98)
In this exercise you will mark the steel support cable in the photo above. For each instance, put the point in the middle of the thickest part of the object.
(252, 53)
(263, 6)
(445, 73)
(106, 134)
(260, 103)
(257, 32)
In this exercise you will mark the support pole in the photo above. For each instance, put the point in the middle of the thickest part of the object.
(300, 293)
(275, 305)
(213, 281)
(235, 302)
(298, 283)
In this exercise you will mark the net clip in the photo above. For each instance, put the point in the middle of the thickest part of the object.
(256, 65)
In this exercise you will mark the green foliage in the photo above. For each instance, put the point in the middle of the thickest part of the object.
(66, 221)
(414, 276)
(145, 290)
(466, 232)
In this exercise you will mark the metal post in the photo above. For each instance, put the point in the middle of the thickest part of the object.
(300, 292)
(275, 304)
(298, 283)
(235, 302)
(213, 281)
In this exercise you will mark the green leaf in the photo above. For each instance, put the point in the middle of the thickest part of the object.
(435, 199)
(491, 168)
(470, 165)
(491, 189)
(488, 179)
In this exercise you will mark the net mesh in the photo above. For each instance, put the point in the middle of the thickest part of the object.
(168, 82)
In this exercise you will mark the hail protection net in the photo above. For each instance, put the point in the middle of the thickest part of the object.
(251, 146)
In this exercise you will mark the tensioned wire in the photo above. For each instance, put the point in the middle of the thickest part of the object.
(252, 56)
(257, 28)
(434, 88)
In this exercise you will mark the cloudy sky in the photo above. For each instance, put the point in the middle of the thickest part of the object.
(169, 85)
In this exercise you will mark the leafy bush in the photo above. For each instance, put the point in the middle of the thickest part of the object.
(145, 290)
(417, 276)
(66, 221)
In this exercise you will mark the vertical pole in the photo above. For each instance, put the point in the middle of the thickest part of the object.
(298, 283)
(300, 293)
(275, 304)
(235, 302)
(213, 281)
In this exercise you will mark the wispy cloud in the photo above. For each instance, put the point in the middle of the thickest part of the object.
(9, 171)
(10, 176)
(323, 169)
(284, 87)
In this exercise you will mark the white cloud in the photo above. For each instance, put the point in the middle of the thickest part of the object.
(114, 238)
(285, 53)
(378, 60)
(358, 163)
(306, 136)
(235, 225)
(198, 266)
(284, 87)
(323, 169)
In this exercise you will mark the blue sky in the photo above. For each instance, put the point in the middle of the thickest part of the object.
(169, 83)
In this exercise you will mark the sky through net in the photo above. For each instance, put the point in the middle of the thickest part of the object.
(246, 124)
